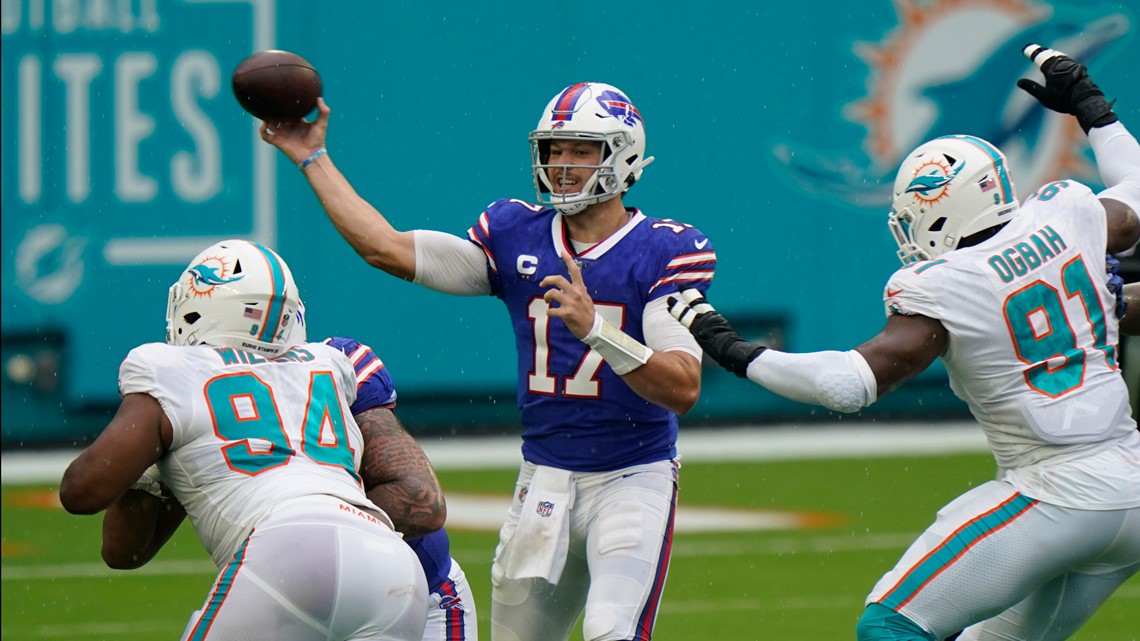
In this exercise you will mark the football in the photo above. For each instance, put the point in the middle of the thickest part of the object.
(276, 85)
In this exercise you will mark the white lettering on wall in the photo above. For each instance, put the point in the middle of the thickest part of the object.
(30, 130)
(65, 16)
(76, 70)
(132, 126)
(196, 177)
(80, 16)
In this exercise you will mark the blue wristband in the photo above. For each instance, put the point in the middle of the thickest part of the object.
(312, 158)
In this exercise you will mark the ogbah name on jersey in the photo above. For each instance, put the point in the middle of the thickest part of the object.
(1025, 256)
(231, 356)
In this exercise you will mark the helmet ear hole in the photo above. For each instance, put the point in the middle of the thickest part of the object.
(632, 177)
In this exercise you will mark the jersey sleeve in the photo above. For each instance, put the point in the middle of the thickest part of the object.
(374, 386)
(1076, 201)
(692, 260)
(138, 371)
(141, 372)
(908, 294)
(481, 233)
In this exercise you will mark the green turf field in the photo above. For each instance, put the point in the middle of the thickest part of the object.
(781, 584)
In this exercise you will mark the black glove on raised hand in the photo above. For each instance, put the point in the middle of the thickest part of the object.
(712, 331)
(1068, 88)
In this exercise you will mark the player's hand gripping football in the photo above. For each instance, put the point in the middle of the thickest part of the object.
(299, 138)
(1068, 88)
(712, 331)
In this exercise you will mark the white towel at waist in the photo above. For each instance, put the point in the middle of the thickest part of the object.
(539, 545)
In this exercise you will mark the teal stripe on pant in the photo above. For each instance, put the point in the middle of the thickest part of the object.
(221, 591)
(883, 624)
(954, 547)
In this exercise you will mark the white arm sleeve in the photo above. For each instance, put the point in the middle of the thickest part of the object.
(450, 264)
(1118, 159)
(663, 333)
(840, 381)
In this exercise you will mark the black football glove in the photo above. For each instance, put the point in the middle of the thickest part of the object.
(712, 331)
(1068, 88)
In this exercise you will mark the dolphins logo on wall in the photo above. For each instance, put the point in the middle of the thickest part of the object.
(926, 79)
(49, 263)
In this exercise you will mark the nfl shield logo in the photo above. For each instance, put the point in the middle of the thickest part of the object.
(545, 508)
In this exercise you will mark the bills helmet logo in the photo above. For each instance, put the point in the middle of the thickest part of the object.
(619, 107)
(545, 508)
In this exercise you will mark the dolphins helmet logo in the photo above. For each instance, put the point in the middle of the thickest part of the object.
(210, 273)
(925, 81)
(932, 180)
(619, 107)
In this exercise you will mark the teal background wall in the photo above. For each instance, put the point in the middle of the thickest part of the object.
(776, 130)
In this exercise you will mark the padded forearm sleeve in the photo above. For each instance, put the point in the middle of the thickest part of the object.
(840, 381)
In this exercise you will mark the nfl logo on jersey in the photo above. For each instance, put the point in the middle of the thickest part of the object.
(545, 508)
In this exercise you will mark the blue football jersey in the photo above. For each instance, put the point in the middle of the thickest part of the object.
(374, 388)
(577, 414)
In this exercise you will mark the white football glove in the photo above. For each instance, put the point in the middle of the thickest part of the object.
(151, 482)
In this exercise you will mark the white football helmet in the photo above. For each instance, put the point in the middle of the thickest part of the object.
(947, 189)
(590, 111)
(234, 294)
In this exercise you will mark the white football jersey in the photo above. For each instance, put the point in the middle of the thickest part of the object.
(1032, 341)
(250, 433)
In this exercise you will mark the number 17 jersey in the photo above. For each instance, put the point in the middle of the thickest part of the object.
(577, 413)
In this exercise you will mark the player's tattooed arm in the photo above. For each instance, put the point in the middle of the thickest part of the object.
(398, 476)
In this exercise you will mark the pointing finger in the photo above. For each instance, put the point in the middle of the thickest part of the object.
(572, 267)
